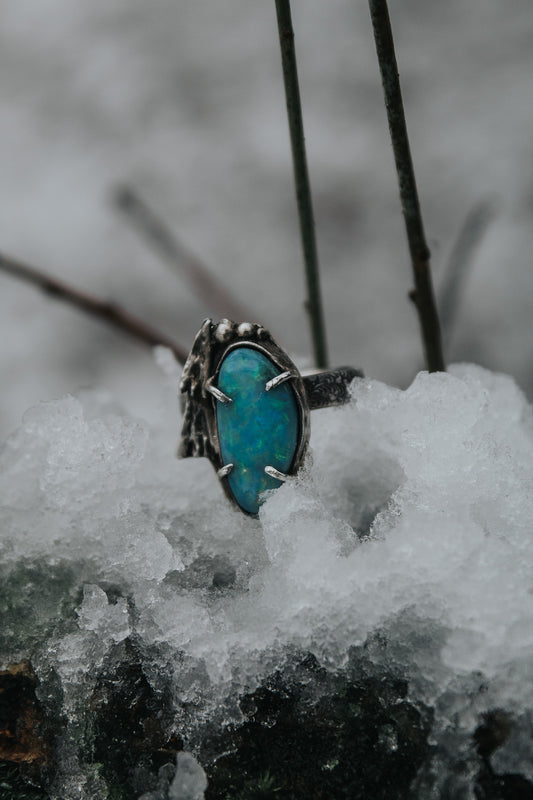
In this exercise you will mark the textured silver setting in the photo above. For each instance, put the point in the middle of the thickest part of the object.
(199, 393)
(330, 388)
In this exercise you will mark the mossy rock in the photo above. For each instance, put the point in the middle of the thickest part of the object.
(309, 734)
(35, 599)
(13, 786)
(128, 734)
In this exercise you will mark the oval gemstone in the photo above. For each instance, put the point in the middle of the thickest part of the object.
(258, 428)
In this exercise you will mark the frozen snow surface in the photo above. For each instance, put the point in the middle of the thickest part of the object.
(407, 533)
(188, 782)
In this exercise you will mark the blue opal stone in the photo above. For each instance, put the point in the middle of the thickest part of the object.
(258, 428)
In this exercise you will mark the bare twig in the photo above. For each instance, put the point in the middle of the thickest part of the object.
(472, 232)
(301, 177)
(423, 294)
(106, 310)
(216, 297)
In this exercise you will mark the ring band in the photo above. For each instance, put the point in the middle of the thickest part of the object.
(329, 388)
(246, 408)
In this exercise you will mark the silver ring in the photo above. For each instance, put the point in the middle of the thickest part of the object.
(246, 408)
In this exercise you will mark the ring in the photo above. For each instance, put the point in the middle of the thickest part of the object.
(246, 408)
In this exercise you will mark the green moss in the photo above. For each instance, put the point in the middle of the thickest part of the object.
(14, 787)
(34, 600)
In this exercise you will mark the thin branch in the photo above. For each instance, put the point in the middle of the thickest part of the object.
(470, 236)
(423, 294)
(105, 310)
(301, 178)
(206, 286)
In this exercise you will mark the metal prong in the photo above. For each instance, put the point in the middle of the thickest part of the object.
(275, 473)
(217, 394)
(223, 471)
(281, 378)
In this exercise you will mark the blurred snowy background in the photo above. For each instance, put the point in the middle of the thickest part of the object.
(184, 101)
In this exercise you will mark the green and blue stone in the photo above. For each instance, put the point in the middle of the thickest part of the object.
(258, 428)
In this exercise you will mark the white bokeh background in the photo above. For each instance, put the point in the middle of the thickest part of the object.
(184, 101)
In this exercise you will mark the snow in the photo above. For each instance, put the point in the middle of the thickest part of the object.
(411, 519)
(189, 781)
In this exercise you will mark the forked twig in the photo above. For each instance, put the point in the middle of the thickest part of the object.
(472, 232)
(106, 310)
(207, 287)
(301, 177)
(423, 294)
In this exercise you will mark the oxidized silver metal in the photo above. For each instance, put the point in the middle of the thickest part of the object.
(330, 388)
(199, 394)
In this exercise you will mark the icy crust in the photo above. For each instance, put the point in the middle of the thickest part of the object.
(411, 520)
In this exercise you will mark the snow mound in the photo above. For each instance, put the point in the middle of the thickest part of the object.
(410, 524)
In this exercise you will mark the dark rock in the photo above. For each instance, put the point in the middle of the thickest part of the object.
(129, 725)
(26, 743)
(493, 732)
(304, 734)
(14, 787)
(311, 735)
(22, 739)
